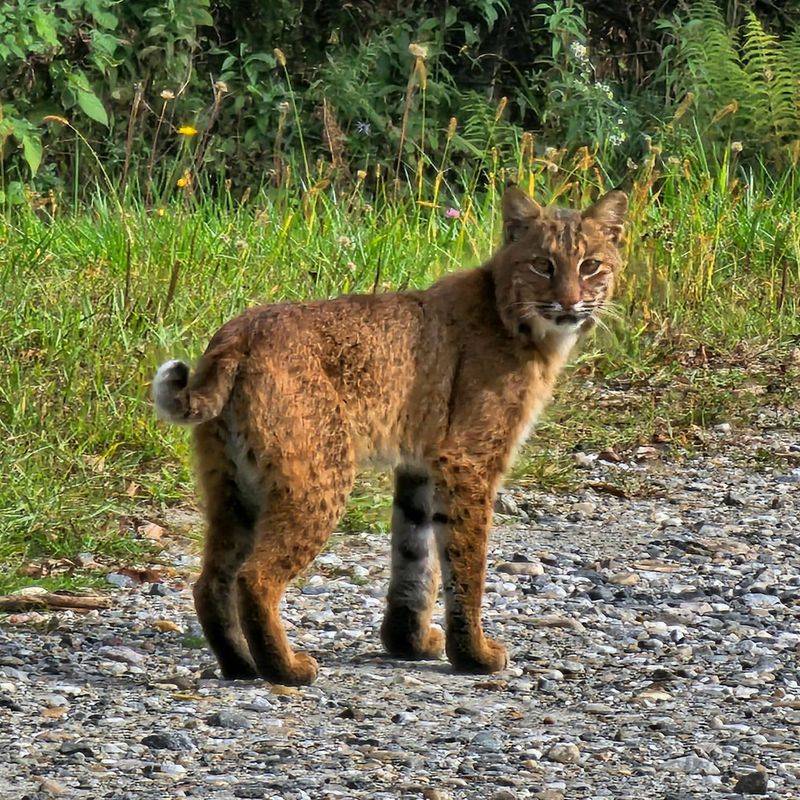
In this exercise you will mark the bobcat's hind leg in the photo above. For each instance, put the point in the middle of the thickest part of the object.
(229, 539)
(291, 531)
(406, 631)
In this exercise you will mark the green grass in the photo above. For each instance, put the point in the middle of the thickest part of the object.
(91, 302)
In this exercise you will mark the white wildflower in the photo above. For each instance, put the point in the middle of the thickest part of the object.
(580, 51)
(606, 90)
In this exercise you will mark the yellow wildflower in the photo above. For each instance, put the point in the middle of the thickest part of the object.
(187, 130)
(185, 180)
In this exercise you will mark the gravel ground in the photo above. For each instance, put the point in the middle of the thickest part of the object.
(654, 645)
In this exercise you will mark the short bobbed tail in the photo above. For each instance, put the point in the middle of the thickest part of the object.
(170, 392)
(189, 398)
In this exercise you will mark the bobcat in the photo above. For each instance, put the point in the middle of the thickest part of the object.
(443, 384)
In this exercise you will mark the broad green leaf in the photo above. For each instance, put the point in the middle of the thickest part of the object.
(202, 17)
(32, 151)
(105, 19)
(6, 129)
(45, 25)
(91, 106)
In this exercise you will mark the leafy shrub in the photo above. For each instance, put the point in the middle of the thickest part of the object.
(270, 86)
(743, 81)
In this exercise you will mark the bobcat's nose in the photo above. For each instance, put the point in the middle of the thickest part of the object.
(571, 304)
(572, 312)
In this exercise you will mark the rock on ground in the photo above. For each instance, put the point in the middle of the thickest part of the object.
(654, 645)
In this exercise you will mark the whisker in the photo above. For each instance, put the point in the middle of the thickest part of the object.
(611, 311)
(537, 303)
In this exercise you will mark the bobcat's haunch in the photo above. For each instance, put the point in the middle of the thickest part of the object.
(443, 383)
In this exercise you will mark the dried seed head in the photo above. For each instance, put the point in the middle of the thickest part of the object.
(736, 147)
(501, 107)
(166, 94)
(418, 50)
(451, 128)
(279, 56)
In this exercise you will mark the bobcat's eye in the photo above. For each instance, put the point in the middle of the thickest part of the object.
(589, 267)
(543, 267)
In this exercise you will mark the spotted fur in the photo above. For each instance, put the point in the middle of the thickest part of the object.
(288, 400)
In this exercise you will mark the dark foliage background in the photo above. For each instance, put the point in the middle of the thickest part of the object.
(270, 84)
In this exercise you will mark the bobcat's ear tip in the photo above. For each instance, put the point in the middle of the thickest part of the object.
(620, 197)
(612, 205)
(518, 204)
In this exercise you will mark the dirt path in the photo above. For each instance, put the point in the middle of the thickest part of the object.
(655, 645)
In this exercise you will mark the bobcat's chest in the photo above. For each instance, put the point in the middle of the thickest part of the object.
(538, 394)
(527, 423)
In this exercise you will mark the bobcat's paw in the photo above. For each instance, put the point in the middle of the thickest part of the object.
(239, 671)
(484, 657)
(415, 646)
(301, 671)
(433, 646)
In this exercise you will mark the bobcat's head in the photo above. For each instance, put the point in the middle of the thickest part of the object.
(556, 268)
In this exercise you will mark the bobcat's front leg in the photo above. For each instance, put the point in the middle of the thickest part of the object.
(462, 520)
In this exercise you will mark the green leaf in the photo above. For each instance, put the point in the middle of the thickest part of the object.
(105, 19)
(15, 193)
(45, 27)
(202, 17)
(91, 106)
(32, 151)
(470, 35)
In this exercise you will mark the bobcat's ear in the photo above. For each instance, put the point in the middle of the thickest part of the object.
(609, 213)
(519, 211)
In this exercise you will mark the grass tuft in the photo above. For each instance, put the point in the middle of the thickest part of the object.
(706, 326)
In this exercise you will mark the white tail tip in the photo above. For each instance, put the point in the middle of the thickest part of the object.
(169, 382)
